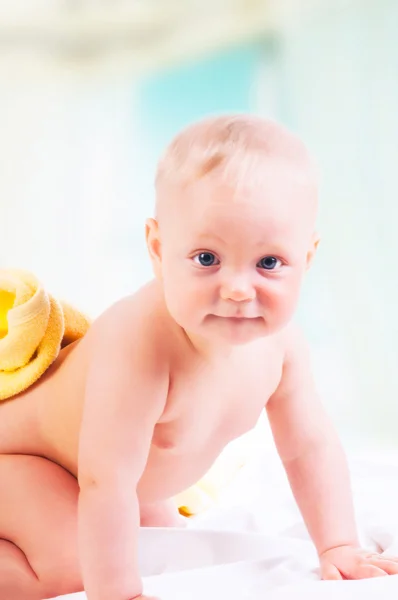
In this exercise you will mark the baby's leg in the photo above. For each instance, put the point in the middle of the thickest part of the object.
(38, 529)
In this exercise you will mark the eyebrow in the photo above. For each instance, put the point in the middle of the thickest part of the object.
(276, 247)
(210, 236)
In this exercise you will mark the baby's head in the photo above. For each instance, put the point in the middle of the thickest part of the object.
(236, 200)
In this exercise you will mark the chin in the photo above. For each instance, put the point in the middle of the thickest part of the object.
(239, 340)
(238, 333)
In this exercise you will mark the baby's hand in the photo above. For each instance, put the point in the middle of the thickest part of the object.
(349, 562)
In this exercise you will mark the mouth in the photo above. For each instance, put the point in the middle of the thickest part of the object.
(237, 318)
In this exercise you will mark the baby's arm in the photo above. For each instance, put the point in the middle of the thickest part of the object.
(126, 393)
(317, 469)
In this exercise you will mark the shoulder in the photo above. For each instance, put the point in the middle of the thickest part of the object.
(139, 320)
(128, 358)
(140, 313)
(294, 344)
(296, 361)
(297, 384)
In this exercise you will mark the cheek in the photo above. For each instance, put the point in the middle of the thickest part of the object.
(185, 294)
(281, 297)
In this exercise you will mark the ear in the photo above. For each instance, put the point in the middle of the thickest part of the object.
(312, 250)
(153, 244)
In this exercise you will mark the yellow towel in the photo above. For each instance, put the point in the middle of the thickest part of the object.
(34, 326)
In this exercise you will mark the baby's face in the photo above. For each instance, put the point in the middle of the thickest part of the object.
(232, 259)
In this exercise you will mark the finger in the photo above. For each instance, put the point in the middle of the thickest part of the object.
(382, 556)
(366, 572)
(388, 557)
(390, 567)
(330, 572)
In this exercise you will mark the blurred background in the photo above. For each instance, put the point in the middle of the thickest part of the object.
(92, 90)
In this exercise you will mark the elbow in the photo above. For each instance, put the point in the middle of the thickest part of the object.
(88, 481)
(92, 480)
(104, 483)
(318, 447)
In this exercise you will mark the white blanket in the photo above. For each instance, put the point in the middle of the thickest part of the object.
(254, 546)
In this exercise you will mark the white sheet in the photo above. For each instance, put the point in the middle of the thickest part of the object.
(253, 545)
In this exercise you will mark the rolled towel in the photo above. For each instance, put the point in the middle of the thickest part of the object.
(34, 326)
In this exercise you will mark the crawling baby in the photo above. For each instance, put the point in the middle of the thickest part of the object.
(139, 409)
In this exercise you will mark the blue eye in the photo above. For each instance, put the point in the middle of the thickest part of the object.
(269, 263)
(206, 259)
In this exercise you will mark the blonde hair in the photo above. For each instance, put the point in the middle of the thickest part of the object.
(235, 145)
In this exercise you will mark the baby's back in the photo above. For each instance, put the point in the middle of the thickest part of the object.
(44, 420)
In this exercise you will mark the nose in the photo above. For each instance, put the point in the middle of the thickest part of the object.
(237, 289)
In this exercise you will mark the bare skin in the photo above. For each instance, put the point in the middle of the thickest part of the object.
(187, 438)
(54, 427)
(139, 409)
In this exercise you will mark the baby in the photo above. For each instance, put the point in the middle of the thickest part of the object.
(140, 408)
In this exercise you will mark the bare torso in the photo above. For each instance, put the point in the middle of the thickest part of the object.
(209, 405)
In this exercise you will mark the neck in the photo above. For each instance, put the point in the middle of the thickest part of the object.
(211, 350)
(207, 348)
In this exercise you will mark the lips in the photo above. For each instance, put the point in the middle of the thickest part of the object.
(236, 317)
